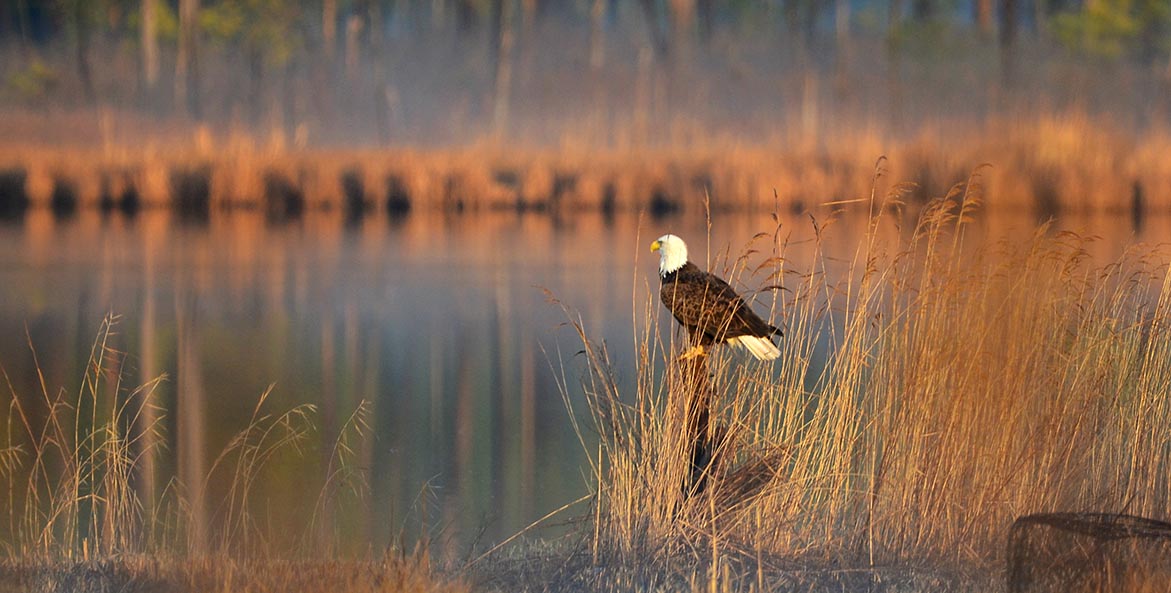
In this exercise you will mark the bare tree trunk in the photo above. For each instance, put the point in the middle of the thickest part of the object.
(84, 72)
(598, 34)
(1008, 29)
(399, 10)
(438, 14)
(658, 36)
(707, 17)
(190, 419)
(187, 66)
(329, 27)
(1041, 16)
(466, 17)
(147, 435)
(922, 10)
(842, 32)
(842, 21)
(1008, 22)
(528, 421)
(329, 432)
(528, 15)
(810, 111)
(383, 105)
(290, 107)
(354, 26)
(150, 45)
(503, 15)
(894, 83)
(983, 14)
(682, 32)
(255, 83)
(644, 94)
(22, 18)
(682, 16)
(802, 20)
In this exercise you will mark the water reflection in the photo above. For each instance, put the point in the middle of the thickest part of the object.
(439, 322)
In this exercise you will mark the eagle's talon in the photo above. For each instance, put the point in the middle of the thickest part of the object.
(692, 352)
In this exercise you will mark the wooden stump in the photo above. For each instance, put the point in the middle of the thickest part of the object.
(696, 388)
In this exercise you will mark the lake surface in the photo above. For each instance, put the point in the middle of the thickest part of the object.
(440, 323)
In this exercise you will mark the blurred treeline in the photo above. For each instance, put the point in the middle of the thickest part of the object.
(598, 72)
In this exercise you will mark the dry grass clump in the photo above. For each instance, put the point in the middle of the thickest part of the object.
(77, 458)
(81, 514)
(926, 397)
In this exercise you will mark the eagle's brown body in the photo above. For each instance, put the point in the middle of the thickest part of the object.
(709, 308)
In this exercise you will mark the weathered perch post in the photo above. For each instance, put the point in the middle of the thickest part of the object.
(697, 391)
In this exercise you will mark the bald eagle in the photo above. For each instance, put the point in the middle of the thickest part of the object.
(707, 307)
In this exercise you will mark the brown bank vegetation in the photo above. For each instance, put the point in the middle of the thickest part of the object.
(1060, 163)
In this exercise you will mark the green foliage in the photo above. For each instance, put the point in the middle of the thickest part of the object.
(266, 27)
(34, 81)
(931, 41)
(1101, 28)
(1114, 28)
(166, 21)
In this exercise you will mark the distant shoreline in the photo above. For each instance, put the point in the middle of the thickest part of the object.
(1059, 164)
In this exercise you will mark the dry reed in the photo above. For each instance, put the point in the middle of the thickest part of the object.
(925, 398)
(80, 519)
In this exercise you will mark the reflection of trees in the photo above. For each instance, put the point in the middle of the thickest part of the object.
(187, 97)
(190, 440)
(149, 42)
(147, 435)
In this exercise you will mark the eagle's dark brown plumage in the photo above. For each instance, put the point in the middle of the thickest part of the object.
(708, 307)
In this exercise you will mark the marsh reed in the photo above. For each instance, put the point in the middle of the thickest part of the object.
(80, 515)
(937, 389)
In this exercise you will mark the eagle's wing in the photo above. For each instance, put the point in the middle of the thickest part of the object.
(703, 301)
(736, 318)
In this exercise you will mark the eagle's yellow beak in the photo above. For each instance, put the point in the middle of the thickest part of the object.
(655, 246)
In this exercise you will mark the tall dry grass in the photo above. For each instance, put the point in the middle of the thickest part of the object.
(931, 389)
(79, 515)
(70, 462)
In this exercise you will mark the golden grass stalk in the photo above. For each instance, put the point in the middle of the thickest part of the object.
(70, 472)
(81, 456)
(77, 521)
(927, 394)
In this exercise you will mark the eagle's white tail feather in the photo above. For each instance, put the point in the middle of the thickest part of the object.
(761, 348)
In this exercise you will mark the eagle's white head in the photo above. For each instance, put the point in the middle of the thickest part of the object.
(672, 253)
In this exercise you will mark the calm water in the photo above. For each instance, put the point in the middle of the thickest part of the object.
(440, 324)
